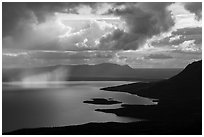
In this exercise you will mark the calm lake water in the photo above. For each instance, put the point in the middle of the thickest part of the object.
(60, 104)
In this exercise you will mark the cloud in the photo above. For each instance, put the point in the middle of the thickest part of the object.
(54, 35)
(38, 26)
(42, 58)
(15, 12)
(26, 26)
(190, 34)
(143, 20)
(188, 46)
(176, 37)
(194, 7)
(35, 36)
(158, 56)
(183, 38)
(86, 38)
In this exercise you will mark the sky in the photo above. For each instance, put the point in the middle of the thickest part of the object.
(141, 35)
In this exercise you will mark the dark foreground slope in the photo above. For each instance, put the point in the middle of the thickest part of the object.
(179, 109)
(180, 99)
(186, 85)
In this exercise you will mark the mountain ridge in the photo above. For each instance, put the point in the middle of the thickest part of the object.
(104, 71)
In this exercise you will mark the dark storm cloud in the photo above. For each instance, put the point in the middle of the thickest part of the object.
(158, 56)
(194, 7)
(185, 34)
(143, 20)
(13, 12)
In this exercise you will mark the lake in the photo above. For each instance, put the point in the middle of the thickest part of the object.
(31, 105)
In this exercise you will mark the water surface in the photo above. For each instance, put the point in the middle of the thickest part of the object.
(60, 104)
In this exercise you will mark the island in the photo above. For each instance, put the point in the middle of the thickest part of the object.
(102, 101)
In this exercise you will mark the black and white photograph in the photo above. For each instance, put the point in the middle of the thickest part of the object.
(102, 68)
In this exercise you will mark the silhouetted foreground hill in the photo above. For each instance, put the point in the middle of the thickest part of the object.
(100, 72)
(186, 85)
(180, 99)
(179, 109)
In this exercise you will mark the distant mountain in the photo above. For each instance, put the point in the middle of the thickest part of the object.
(106, 71)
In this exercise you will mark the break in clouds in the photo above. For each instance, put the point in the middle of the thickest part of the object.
(98, 27)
